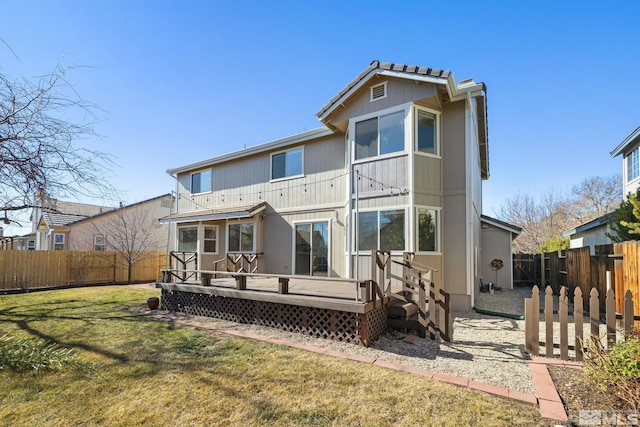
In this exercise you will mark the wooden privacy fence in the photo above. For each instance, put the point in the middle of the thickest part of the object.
(556, 322)
(50, 269)
(615, 266)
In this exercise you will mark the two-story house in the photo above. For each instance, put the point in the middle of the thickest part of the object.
(397, 165)
(630, 150)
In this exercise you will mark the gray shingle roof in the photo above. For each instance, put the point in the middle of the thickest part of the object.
(377, 65)
(60, 219)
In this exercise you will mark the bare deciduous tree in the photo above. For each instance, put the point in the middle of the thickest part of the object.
(40, 125)
(553, 213)
(132, 232)
(596, 196)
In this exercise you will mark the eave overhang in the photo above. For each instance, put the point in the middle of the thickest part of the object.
(258, 149)
(230, 212)
(632, 138)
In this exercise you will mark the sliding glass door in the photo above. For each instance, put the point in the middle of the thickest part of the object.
(312, 249)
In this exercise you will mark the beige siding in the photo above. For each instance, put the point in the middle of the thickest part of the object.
(427, 176)
(454, 210)
(383, 176)
(145, 215)
(246, 181)
(400, 91)
(496, 244)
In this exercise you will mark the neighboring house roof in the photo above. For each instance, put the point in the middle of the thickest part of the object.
(111, 210)
(501, 224)
(228, 212)
(598, 222)
(74, 208)
(54, 219)
(632, 138)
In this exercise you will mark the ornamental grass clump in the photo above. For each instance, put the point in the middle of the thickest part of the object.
(616, 371)
(30, 355)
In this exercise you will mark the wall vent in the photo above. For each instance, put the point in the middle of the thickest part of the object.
(378, 91)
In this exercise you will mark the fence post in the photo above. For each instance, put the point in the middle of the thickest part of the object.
(564, 331)
(628, 311)
(594, 314)
(610, 316)
(578, 319)
(432, 311)
(548, 321)
(422, 306)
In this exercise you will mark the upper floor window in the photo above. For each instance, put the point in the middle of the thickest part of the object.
(426, 132)
(379, 135)
(241, 237)
(382, 230)
(633, 167)
(99, 242)
(201, 182)
(58, 242)
(286, 164)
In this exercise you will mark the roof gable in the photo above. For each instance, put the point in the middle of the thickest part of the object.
(632, 138)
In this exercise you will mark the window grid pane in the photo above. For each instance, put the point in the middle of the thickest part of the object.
(426, 132)
(392, 230)
(367, 231)
(188, 239)
(427, 226)
(278, 165)
(392, 133)
(367, 138)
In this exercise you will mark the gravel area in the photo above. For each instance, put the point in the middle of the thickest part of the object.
(487, 349)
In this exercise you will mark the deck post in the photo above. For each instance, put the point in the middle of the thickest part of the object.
(205, 279)
(241, 283)
(365, 291)
(283, 285)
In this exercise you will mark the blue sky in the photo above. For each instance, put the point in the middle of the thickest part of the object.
(182, 81)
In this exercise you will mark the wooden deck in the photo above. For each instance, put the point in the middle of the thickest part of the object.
(339, 309)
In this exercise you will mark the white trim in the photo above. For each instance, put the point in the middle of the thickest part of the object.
(406, 108)
(262, 148)
(329, 222)
(379, 209)
(204, 239)
(469, 250)
(200, 171)
(286, 177)
(255, 235)
(372, 89)
(438, 148)
(416, 235)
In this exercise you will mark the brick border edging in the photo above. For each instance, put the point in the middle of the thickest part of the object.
(551, 406)
(520, 397)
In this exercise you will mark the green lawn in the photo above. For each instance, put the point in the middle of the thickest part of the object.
(143, 371)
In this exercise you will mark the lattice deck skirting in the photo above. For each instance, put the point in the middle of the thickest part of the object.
(361, 328)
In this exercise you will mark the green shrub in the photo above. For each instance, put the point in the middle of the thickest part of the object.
(616, 371)
(29, 355)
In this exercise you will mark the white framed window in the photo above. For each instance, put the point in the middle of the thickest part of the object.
(379, 135)
(241, 237)
(287, 164)
(201, 182)
(99, 242)
(427, 133)
(633, 165)
(210, 238)
(31, 245)
(58, 241)
(188, 238)
(378, 91)
(311, 248)
(428, 229)
(383, 230)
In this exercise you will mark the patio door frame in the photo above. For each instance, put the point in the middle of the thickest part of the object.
(326, 222)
